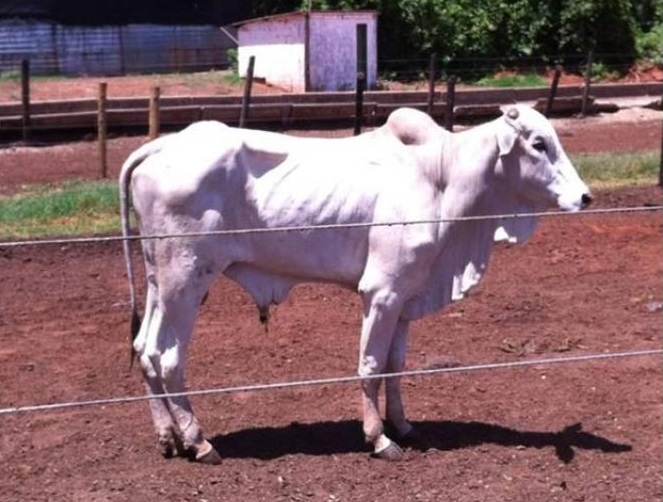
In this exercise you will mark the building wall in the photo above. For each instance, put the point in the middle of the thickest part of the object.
(333, 50)
(278, 47)
(278, 44)
(55, 49)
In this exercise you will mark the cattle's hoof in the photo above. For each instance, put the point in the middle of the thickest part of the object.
(208, 455)
(168, 446)
(166, 449)
(391, 452)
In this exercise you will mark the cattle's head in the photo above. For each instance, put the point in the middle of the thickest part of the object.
(534, 164)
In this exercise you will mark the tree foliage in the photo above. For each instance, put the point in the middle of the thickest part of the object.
(501, 30)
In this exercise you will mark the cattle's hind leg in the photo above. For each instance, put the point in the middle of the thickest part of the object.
(178, 296)
(164, 426)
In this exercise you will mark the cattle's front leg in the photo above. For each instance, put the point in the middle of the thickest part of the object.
(396, 364)
(381, 312)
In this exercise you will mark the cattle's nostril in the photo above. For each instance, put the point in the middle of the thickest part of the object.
(586, 199)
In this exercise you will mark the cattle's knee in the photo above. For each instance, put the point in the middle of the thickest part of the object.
(170, 369)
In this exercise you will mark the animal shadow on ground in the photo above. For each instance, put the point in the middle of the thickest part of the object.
(328, 438)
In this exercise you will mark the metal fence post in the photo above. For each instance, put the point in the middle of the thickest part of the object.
(25, 98)
(101, 129)
(359, 102)
(451, 103)
(660, 168)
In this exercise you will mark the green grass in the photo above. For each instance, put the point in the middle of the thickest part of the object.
(10, 76)
(77, 208)
(69, 209)
(201, 79)
(613, 170)
(515, 80)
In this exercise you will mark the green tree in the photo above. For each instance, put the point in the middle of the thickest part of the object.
(500, 31)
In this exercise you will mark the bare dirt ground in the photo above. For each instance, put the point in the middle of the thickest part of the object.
(569, 432)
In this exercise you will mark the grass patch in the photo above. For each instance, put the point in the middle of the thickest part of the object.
(77, 208)
(69, 209)
(614, 170)
(202, 79)
(513, 80)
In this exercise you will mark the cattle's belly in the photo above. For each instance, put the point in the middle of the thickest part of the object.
(330, 255)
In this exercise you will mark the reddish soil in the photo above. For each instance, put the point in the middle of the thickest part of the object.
(571, 432)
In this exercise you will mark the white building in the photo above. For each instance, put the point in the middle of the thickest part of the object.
(311, 51)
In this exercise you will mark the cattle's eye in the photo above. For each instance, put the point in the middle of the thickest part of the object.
(540, 145)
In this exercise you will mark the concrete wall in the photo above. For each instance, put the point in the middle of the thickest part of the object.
(333, 50)
(278, 44)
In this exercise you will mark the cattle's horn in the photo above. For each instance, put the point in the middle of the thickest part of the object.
(512, 114)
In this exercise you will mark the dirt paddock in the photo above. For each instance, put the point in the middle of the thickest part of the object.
(588, 431)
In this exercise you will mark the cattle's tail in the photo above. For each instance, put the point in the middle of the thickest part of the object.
(134, 160)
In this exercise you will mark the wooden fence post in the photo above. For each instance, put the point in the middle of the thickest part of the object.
(102, 129)
(154, 114)
(451, 103)
(359, 102)
(246, 100)
(588, 80)
(432, 71)
(553, 90)
(25, 98)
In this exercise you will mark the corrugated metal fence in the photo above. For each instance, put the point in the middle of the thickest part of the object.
(55, 49)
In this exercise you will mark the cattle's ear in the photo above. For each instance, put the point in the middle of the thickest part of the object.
(508, 131)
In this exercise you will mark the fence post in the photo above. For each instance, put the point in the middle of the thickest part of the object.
(25, 98)
(660, 167)
(155, 118)
(588, 79)
(451, 103)
(553, 90)
(101, 129)
(359, 102)
(246, 100)
(432, 71)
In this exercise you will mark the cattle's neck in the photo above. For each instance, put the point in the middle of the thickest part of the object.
(466, 167)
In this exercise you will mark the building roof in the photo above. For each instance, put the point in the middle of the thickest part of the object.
(121, 12)
(299, 14)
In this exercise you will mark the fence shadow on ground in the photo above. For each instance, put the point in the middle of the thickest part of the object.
(330, 438)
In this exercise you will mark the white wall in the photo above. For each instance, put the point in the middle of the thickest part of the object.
(278, 46)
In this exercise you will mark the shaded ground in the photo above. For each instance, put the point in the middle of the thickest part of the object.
(570, 432)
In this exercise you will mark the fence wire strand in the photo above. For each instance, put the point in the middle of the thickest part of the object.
(329, 381)
(332, 226)
(324, 381)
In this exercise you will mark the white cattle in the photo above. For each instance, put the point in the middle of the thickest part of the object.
(211, 177)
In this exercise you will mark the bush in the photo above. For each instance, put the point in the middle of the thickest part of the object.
(649, 46)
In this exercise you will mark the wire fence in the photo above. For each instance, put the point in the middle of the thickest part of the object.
(90, 59)
(306, 228)
(334, 380)
(328, 381)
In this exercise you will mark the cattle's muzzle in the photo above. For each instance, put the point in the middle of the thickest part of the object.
(586, 200)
